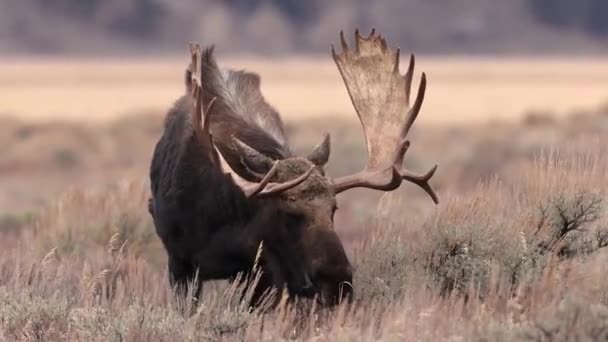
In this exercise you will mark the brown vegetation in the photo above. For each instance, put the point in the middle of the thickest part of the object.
(515, 251)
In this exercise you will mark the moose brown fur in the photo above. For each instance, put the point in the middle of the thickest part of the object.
(224, 179)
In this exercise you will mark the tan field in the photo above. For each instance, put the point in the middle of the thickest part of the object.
(462, 90)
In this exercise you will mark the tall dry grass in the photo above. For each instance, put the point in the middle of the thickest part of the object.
(520, 256)
(515, 251)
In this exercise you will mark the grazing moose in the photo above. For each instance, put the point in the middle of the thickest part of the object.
(224, 179)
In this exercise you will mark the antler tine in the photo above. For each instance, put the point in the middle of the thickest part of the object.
(207, 136)
(409, 76)
(343, 42)
(257, 188)
(422, 181)
(201, 118)
(413, 112)
(276, 188)
(381, 98)
(265, 188)
(396, 68)
(195, 52)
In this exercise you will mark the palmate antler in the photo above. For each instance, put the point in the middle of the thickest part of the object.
(203, 134)
(381, 97)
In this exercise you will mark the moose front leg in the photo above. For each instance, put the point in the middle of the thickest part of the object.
(181, 274)
(221, 260)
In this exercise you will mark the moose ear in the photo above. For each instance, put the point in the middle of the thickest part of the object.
(320, 154)
(251, 158)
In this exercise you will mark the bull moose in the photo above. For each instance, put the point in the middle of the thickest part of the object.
(224, 179)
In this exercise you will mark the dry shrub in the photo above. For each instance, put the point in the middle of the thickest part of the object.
(35, 318)
(538, 118)
(470, 238)
(554, 207)
(110, 295)
(382, 266)
(83, 219)
(12, 224)
(56, 145)
(503, 234)
(574, 321)
(571, 320)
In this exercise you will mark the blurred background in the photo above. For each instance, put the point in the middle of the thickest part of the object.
(287, 27)
(84, 84)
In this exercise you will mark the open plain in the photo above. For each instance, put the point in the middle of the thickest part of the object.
(461, 89)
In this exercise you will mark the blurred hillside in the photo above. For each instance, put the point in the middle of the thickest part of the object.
(134, 27)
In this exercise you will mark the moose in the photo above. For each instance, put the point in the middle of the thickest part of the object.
(224, 180)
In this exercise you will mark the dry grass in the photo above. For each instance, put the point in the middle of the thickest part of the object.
(461, 90)
(90, 268)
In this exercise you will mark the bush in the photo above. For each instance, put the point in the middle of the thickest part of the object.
(82, 220)
(574, 320)
(382, 265)
(471, 239)
(33, 317)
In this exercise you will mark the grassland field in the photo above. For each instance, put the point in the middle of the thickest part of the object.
(514, 251)
(461, 90)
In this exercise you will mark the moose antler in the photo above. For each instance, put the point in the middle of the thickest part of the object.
(203, 134)
(201, 129)
(381, 98)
